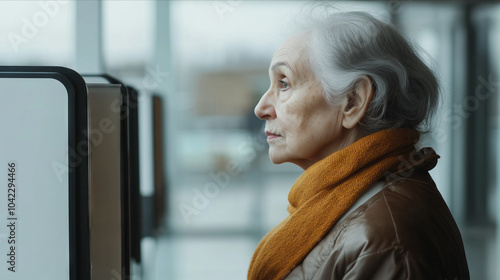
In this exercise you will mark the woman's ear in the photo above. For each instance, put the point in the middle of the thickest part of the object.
(358, 102)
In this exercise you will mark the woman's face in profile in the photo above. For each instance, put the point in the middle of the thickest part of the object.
(302, 127)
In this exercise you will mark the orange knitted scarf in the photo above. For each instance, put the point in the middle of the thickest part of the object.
(324, 192)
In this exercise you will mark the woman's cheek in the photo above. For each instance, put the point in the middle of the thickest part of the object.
(293, 112)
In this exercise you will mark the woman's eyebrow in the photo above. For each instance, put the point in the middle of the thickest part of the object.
(280, 63)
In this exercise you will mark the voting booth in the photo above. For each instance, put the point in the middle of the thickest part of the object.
(71, 204)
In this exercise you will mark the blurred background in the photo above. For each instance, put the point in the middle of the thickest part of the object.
(208, 62)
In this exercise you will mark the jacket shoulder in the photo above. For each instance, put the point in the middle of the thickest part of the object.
(405, 231)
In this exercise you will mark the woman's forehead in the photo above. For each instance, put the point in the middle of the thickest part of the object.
(292, 47)
(291, 54)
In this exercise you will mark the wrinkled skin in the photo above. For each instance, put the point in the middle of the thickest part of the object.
(302, 127)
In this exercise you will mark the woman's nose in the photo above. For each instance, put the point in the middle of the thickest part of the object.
(264, 110)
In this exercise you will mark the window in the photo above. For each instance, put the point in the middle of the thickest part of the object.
(37, 33)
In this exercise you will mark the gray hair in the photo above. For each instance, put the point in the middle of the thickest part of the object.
(346, 46)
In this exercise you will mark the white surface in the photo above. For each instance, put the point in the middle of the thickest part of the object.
(34, 127)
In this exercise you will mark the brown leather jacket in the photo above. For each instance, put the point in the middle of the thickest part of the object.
(404, 231)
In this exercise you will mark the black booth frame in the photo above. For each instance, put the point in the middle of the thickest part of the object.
(79, 247)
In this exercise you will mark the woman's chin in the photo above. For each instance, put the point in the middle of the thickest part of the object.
(276, 158)
(276, 161)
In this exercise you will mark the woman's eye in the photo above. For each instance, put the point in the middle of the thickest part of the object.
(284, 85)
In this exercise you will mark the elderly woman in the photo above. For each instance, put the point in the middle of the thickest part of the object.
(348, 101)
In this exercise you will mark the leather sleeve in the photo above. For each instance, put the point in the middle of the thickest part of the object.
(391, 264)
(385, 264)
(403, 232)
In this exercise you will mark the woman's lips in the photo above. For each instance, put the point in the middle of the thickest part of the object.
(271, 135)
